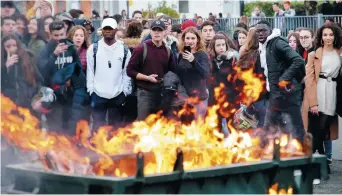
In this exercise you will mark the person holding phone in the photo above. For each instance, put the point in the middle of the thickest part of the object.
(149, 63)
(193, 69)
(61, 68)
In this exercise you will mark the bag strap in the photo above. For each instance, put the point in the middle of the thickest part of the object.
(145, 52)
(125, 56)
(95, 46)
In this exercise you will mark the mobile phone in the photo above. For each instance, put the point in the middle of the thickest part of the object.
(159, 79)
(63, 41)
(187, 48)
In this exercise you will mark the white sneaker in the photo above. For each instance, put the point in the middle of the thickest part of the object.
(316, 181)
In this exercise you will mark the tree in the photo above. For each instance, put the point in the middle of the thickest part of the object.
(161, 8)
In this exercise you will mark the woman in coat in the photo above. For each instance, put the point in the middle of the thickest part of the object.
(323, 87)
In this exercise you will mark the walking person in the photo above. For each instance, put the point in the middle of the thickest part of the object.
(284, 71)
(149, 63)
(322, 98)
(250, 58)
(107, 81)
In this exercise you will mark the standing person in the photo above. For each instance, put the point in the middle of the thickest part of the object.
(67, 19)
(22, 30)
(20, 77)
(107, 81)
(278, 16)
(132, 40)
(8, 26)
(223, 59)
(41, 9)
(193, 70)
(288, 12)
(199, 22)
(79, 35)
(323, 87)
(61, 68)
(47, 21)
(306, 38)
(207, 32)
(293, 39)
(8, 8)
(250, 58)
(137, 15)
(284, 70)
(149, 63)
(124, 14)
(36, 41)
(242, 36)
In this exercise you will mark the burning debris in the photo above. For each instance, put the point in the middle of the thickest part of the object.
(112, 153)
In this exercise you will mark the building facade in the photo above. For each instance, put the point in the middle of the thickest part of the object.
(186, 7)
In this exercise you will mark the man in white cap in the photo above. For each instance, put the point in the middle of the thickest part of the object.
(107, 81)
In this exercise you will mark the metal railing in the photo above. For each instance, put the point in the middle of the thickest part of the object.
(285, 24)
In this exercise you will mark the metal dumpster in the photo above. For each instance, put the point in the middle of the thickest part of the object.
(294, 175)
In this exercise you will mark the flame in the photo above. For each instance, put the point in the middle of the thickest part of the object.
(275, 190)
(112, 153)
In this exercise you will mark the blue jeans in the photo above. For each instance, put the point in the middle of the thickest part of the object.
(201, 109)
(328, 148)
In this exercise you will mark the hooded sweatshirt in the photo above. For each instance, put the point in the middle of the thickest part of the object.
(262, 49)
(49, 63)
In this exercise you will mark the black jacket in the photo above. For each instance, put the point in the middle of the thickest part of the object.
(284, 64)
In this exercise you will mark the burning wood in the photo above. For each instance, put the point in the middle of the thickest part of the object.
(109, 153)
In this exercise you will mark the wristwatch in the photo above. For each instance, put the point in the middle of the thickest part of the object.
(148, 78)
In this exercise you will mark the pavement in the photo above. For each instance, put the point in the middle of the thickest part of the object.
(337, 144)
(334, 184)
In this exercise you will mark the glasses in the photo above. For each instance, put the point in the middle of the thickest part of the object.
(304, 38)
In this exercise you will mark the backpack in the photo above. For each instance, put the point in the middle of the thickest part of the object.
(95, 47)
(145, 52)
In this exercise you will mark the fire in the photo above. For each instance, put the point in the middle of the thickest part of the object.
(112, 153)
(275, 190)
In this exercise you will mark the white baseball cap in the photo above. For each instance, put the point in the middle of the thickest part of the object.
(109, 22)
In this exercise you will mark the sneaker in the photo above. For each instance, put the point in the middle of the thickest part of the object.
(316, 181)
(329, 161)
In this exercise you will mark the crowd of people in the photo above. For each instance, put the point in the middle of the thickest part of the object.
(140, 68)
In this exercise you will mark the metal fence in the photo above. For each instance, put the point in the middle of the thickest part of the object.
(285, 24)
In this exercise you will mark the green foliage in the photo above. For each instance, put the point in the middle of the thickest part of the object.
(267, 8)
(161, 8)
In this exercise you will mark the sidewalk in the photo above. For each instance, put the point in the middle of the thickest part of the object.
(337, 144)
(333, 185)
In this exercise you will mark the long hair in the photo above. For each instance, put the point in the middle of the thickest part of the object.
(296, 36)
(200, 45)
(249, 55)
(46, 34)
(71, 34)
(40, 28)
(134, 29)
(231, 43)
(211, 50)
(26, 61)
(337, 36)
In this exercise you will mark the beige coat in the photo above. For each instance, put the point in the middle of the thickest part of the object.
(312, 69)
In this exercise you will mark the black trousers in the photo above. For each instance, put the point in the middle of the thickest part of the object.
(284, 116)
(319, 127)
